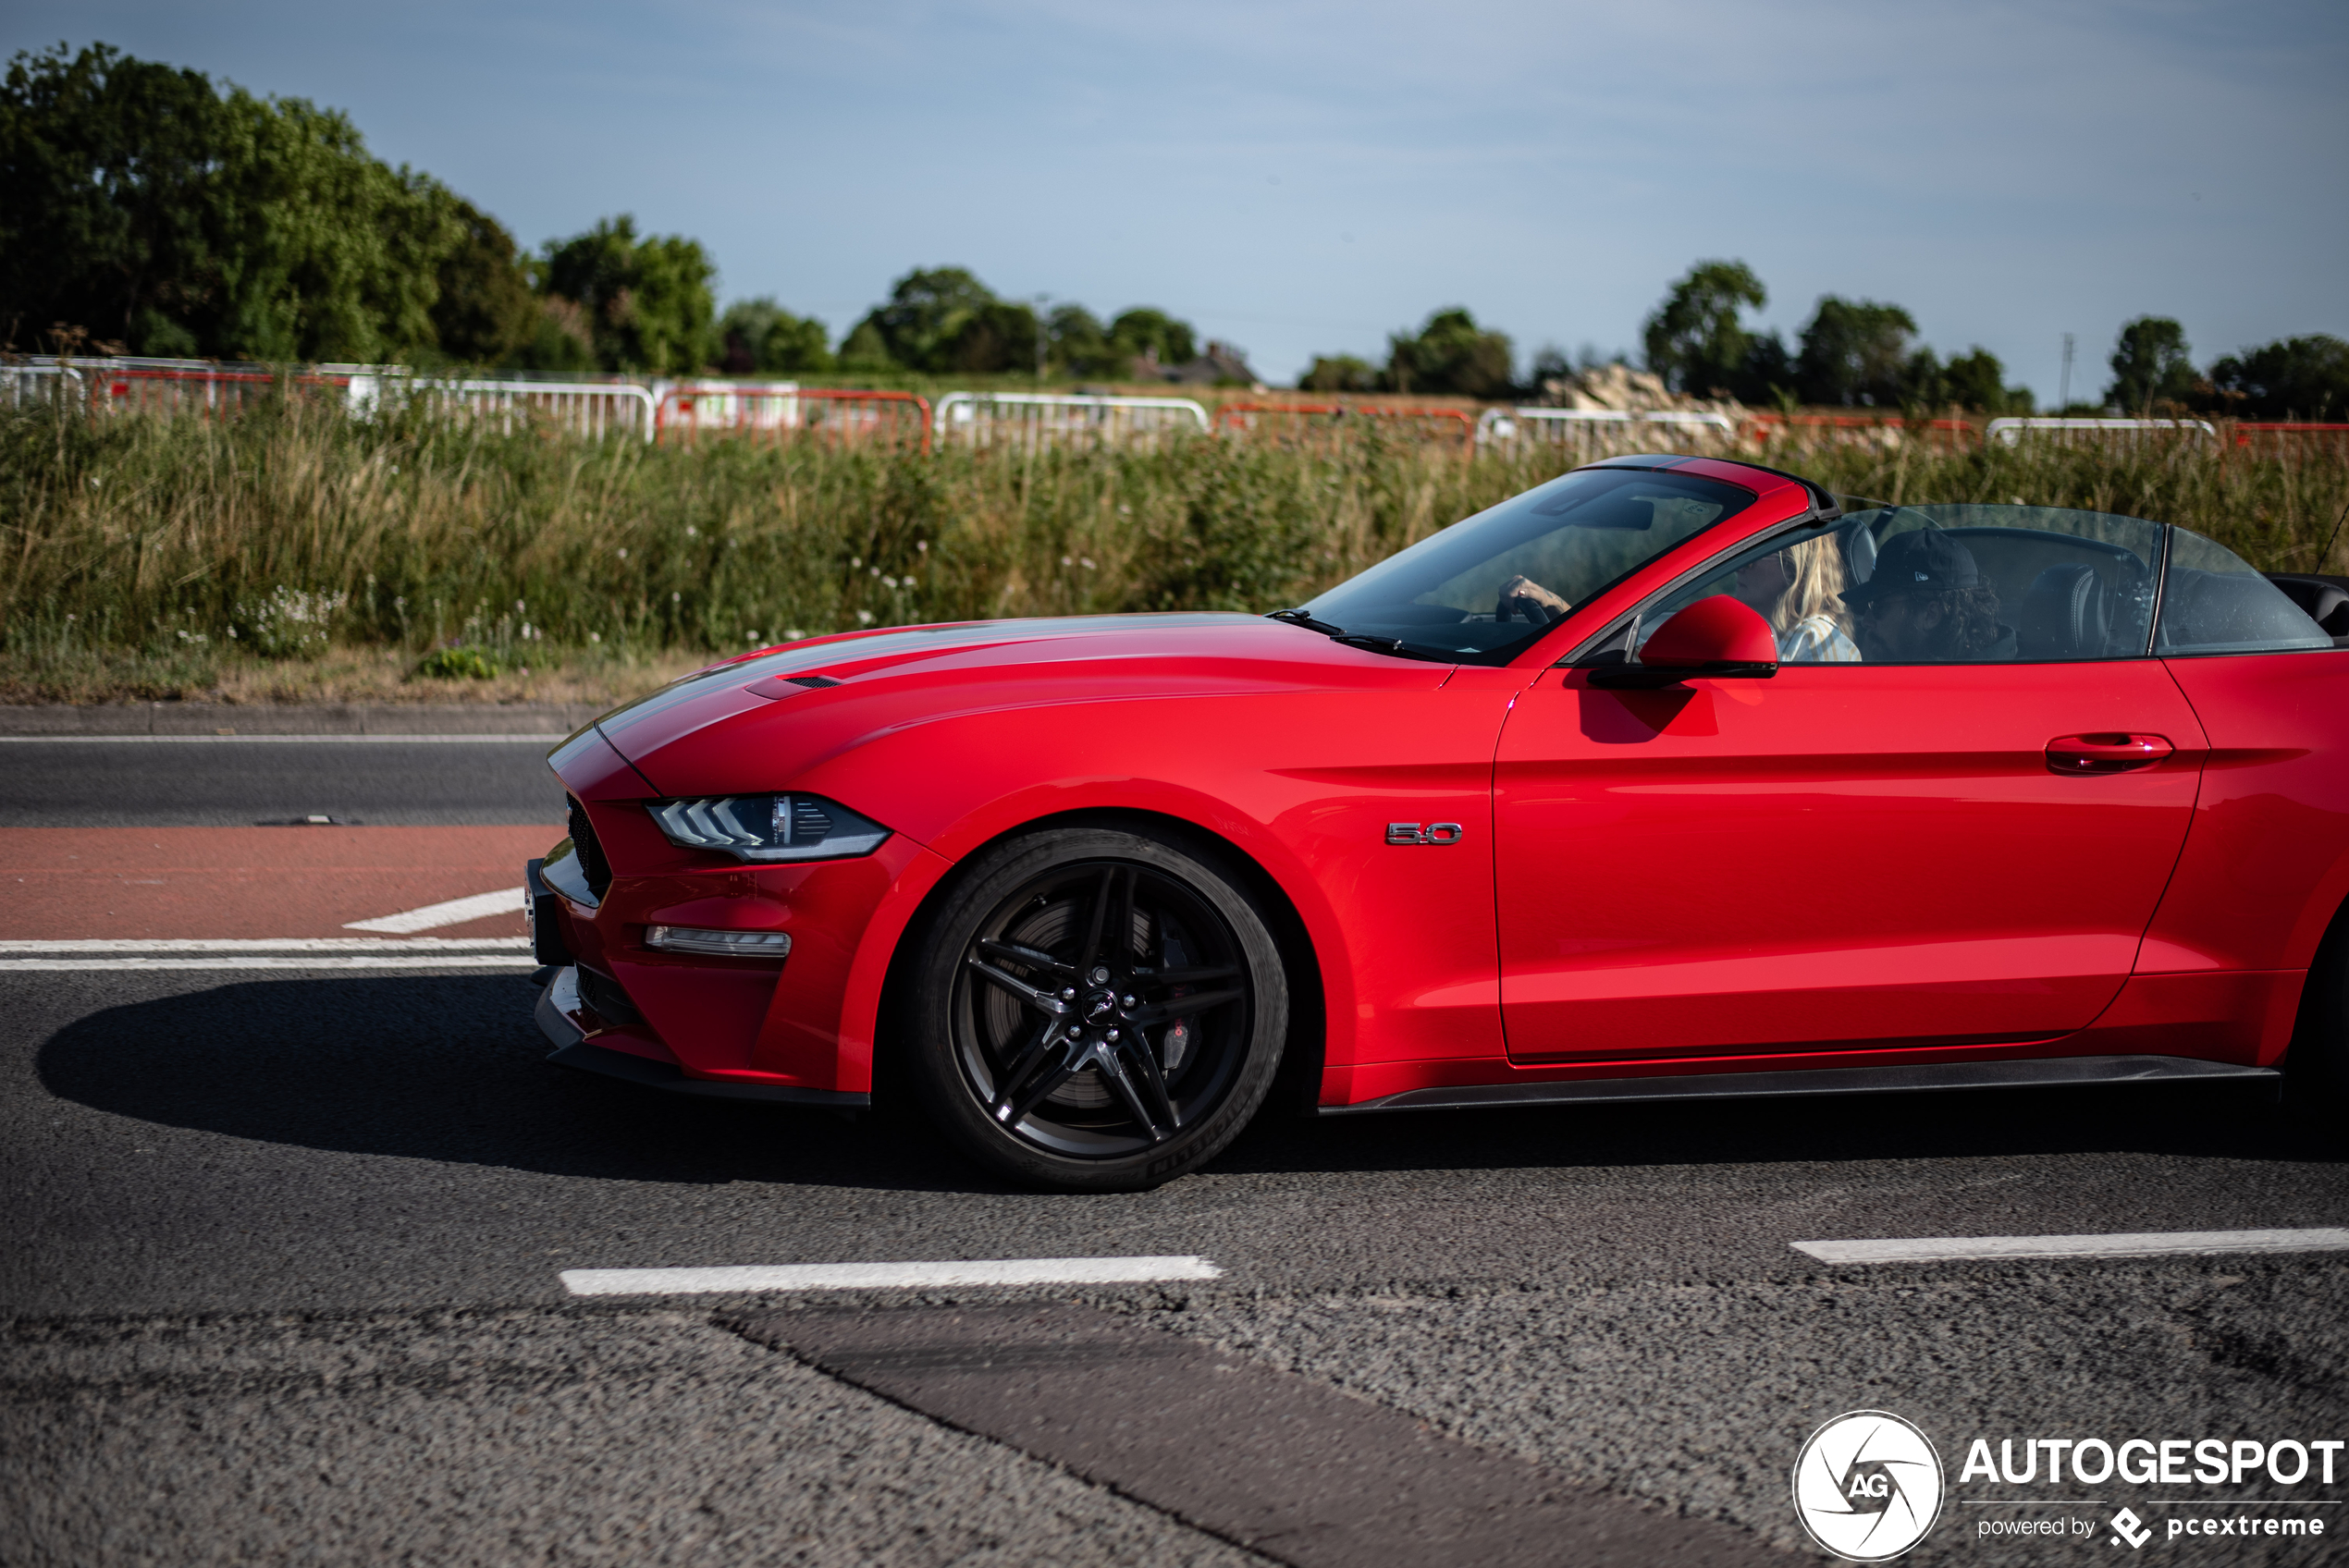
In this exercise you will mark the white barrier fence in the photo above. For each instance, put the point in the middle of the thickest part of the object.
(1564, 426)
(593, 409)
(2011, 432)
(987, 419)
(20, 384)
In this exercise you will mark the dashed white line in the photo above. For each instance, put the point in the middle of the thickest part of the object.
(455, 911)
(2127, 1243)
(886, 1276)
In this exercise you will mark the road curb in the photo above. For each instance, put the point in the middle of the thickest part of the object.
(320, 718)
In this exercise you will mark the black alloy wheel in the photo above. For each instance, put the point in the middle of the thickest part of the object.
(1098, 1010)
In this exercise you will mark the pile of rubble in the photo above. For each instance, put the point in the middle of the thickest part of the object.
(1620, 388)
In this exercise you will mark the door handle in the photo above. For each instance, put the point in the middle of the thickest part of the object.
(2106, 751)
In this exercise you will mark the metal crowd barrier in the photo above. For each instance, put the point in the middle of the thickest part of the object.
(23, 384)
(591, 409)
(1817, 430)
(1432, 418)
(2278, 435)
(778, 409)
(1581, 426)
(987, 419)
(2009, 432)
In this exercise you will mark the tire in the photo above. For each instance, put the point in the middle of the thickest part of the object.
(2317, 1068)
(1068, 1060)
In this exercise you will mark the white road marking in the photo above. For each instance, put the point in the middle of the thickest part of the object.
(456, 911)
(45, 945)
(545, 738)
(2131, 1243)
(265, 961)
(885, 1276)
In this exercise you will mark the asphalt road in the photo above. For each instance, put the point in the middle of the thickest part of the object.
(280, 1255)
(205, 783)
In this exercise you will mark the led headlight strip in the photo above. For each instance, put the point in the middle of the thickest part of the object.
(730, 944)
(768, 828)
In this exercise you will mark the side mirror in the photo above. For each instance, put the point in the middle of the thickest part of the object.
(1719, 637)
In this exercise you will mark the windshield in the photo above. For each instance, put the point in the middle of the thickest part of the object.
(1483, 589)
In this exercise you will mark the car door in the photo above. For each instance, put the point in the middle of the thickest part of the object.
(1855, 855)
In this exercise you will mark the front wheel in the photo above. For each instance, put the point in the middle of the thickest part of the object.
(1096, 1009)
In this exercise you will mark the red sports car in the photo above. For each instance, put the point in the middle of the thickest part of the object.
(1671, 776)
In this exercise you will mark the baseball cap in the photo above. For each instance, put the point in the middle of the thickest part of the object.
(1924, 561)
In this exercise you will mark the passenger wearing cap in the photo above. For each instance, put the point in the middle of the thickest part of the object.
(1928, 603)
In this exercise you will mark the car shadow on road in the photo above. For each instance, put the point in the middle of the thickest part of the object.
(453, 1070)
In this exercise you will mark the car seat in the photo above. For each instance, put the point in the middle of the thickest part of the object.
(1859, 553)
(2066, 613)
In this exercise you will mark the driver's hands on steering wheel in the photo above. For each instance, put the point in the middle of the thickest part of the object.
(1524, 599)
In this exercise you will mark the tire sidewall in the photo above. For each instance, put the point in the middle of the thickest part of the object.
(929, 1053)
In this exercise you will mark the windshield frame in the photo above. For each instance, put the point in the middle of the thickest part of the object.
(1524, 651)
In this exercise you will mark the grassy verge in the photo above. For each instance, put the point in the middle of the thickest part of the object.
(295, 554)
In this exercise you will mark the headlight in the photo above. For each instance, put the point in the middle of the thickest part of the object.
(768, 827)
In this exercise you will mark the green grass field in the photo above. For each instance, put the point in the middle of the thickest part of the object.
(293, 553)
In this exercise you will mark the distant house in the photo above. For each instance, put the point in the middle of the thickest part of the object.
(1221, 363)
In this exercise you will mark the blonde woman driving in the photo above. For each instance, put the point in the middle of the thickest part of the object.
(1797, 591)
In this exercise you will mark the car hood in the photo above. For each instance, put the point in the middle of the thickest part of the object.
(680, 737)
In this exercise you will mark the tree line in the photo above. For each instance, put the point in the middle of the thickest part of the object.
(145, 210)
(1864, 353)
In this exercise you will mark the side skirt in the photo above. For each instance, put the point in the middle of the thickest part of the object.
(1815, 1081)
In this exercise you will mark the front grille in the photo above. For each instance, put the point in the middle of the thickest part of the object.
(602, 993)
(592, 863)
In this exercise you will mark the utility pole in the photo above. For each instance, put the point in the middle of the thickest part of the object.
(1041, 299)
(2063, 392)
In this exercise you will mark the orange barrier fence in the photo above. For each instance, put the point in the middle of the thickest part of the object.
(783, 408)
(2277, 434)
(1431, 419)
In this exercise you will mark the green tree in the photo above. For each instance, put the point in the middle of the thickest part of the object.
(1339, 372)
(2292, 378)
(143, 206)
(1977, 380)
(1451, 354)
(648, 301)
(865, 352)
(2150, 364)
(758, 335)
(1855, 351)
(1078, 343)
(1148, 330)
(943, 319)
(484, 312)
(1694, 340)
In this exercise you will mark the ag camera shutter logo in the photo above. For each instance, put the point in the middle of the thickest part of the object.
(1867, 1485)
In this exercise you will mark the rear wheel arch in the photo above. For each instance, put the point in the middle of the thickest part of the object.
(1298, 1086)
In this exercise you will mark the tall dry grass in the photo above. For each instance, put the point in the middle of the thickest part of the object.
(162, 555)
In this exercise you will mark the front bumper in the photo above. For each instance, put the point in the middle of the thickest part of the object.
(566, 1021)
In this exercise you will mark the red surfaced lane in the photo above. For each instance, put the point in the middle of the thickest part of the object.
(78, 883)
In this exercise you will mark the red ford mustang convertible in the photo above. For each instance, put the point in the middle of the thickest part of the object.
(1671, 777)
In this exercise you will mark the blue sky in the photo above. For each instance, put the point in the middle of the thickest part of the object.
(1307, 177)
